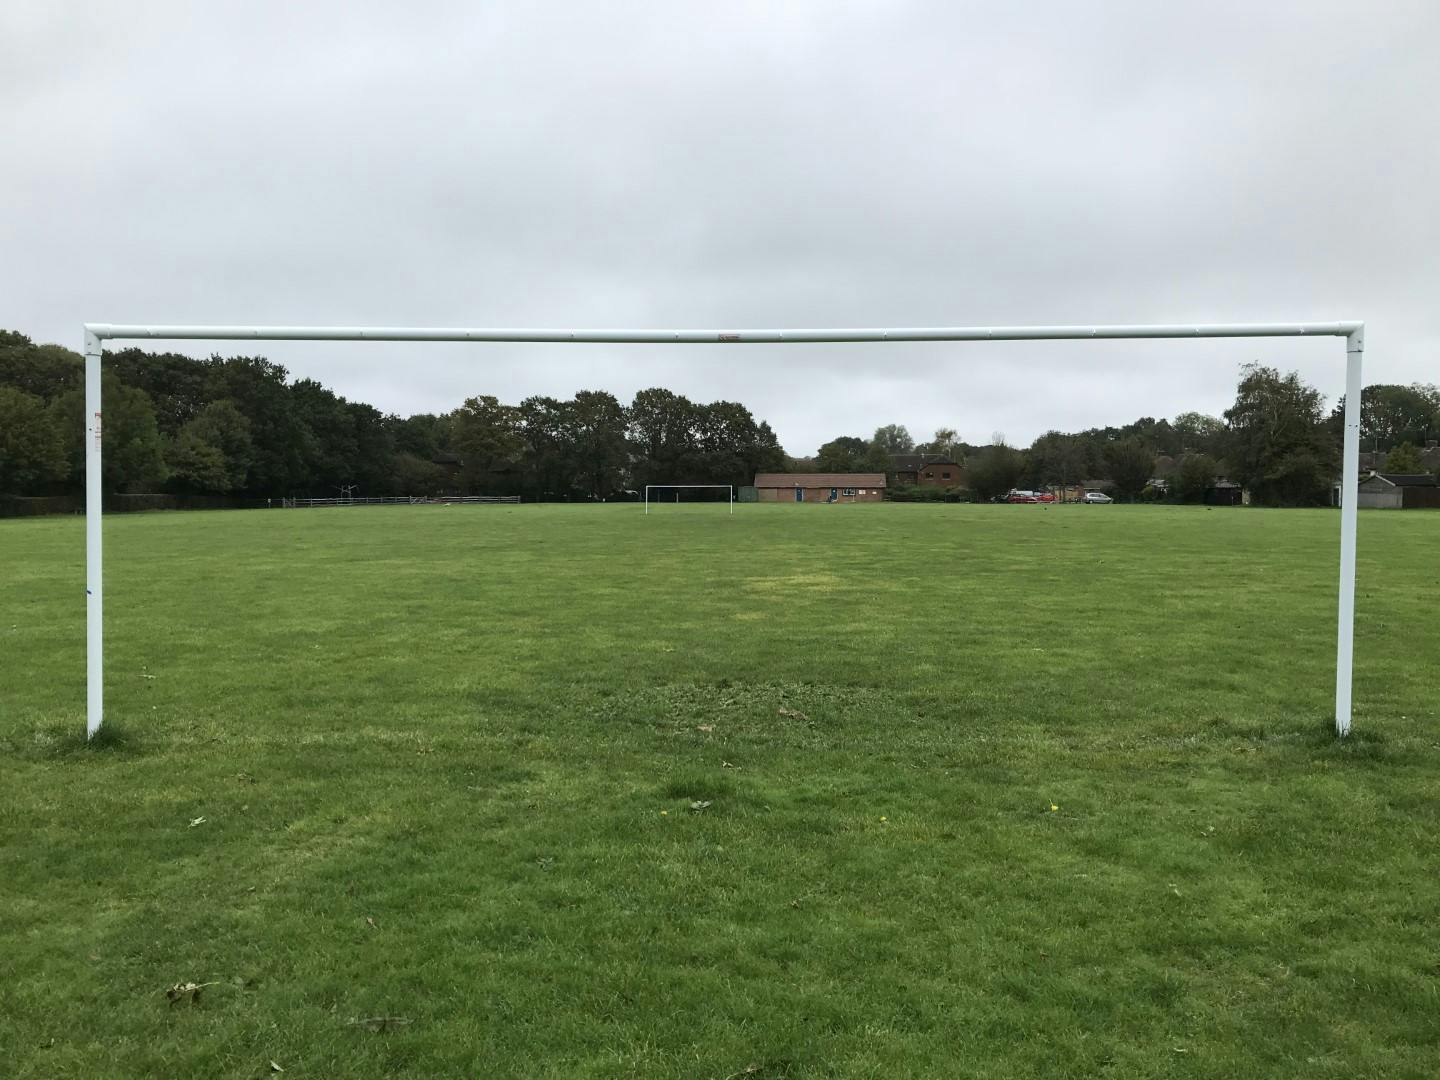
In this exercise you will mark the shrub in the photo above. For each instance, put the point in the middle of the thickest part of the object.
(916, 493)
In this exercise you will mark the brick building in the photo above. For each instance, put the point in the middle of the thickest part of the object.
(820, 487)
(927, 470)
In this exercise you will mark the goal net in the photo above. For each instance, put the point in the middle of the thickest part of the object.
(659, 494)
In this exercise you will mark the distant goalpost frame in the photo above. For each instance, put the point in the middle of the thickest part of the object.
(96, 334)
(681, 487)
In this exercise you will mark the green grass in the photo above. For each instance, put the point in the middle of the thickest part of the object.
(446, 760)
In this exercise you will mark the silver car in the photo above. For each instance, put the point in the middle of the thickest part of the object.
(1096, 497)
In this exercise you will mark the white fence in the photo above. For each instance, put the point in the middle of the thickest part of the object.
(411, 500)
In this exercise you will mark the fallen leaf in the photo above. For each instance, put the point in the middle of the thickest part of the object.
(700, 804)
(793, 714)
(184, 989)
(197, 821)
(371, 921)
(275, 1065)
(704, 727)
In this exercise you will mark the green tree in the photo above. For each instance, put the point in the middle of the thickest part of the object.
(1391, 414)
(1131, 465)
(844, 454)
(133, 455)
(417, 476)
(284, 447)
(733, 445)
(46, 371)
(598, 448)
(373, 466)
(212, 452)
(239, 424)
(486, 435)
(179, 386)
(545, 426)
(1057, 458)
(1276, 442)
(893, 439)
(765, 453)
(197, 465)
(662, 437)
(1199, 433)
(1194, 475)
(1301, 477)
(422, 435)
(995, 470)
(32, 452)
(946, 443)
(1406, 459)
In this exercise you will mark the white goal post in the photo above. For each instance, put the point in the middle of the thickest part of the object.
(96, 334)
(680, 487)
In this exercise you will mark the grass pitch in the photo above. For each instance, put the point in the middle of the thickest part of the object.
(864, 791)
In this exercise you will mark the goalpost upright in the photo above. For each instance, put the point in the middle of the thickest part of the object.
(676, 487)
(96, 334)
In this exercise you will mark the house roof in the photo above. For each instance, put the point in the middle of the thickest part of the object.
(1404, 479)
(819, 479)
(911, 462)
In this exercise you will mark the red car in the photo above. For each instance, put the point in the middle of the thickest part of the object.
(1020, 497)
(1044, 496)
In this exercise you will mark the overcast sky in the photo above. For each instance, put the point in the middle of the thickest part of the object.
(736, 164)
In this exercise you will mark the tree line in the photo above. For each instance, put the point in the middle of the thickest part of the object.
(1276, 440)
(241, 426)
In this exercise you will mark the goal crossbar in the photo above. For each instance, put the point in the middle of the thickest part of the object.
(678, 487)
(96, 334)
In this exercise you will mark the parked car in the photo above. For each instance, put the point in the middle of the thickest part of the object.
(1021, 497)
(1043, 496)
(1096, 497)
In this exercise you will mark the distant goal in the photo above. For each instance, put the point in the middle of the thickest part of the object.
(658, 489)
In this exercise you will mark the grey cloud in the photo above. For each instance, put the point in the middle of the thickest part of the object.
(737, 165)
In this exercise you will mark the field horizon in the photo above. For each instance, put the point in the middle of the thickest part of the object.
(572, 791)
